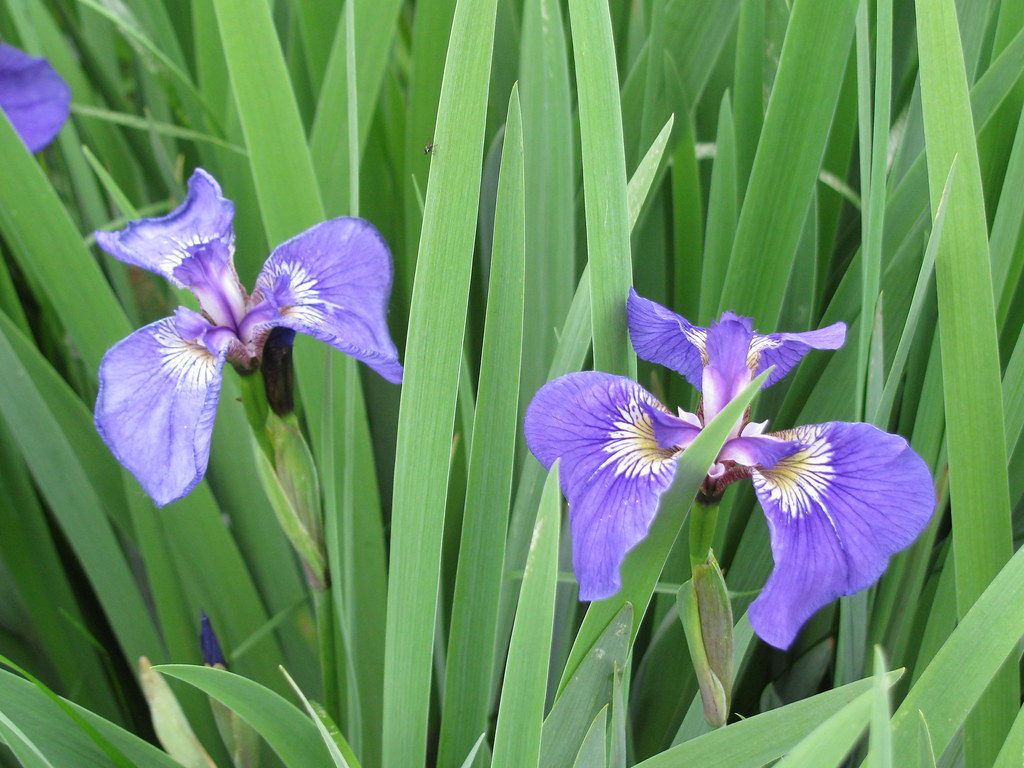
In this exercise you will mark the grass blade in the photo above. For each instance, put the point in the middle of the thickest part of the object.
(979, 494)
(521, 714)
(433, 356)
(604, 184)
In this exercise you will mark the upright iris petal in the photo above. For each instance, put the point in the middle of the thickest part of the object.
(613, 472)
(837, 509)
(159, 387)
(161, 245)
(662, 337)
(34, 97)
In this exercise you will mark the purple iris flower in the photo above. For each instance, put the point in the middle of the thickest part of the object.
(34, 97)
(840, 497)
(159, 387)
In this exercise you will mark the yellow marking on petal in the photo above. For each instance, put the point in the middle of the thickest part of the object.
(799, 482)
(632, 445)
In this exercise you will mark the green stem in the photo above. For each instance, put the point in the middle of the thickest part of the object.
(324, 607)
(703, 521)
(254, 400)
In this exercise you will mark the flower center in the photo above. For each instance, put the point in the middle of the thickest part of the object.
(209, 274)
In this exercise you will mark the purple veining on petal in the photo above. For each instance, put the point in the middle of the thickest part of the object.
(34, 97)
(612, 471)
(161, 244)
(837, 510)
(662, 337)
(333, 282)
(157, 402)
(785, 350)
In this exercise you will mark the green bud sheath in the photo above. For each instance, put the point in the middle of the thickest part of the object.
(706, 614)
(240, 738)
(290, 478)
(169, 721)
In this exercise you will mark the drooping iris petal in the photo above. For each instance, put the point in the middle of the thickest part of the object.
(158, 399)
(34, 97)
(612, 471)
(727, 348)
(662, 337)
(200, 228)
(333, 282)
(785, 350)
(837, 510)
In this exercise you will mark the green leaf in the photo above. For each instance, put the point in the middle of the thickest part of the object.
(290, 733)
(593, 752)
(788, 158)
(979, 495)
(517, 736)
(282, 167)
(474, 613)
(758, 740)
(433, 355)
(63, 742)
(829, 743)
(966, 663)
(604, 184)
(550, 179)
(587, 693)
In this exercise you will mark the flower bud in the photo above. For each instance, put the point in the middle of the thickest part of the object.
(294, 491)
(278, 372)
(240, 739)
(706, 614)
(212, 654)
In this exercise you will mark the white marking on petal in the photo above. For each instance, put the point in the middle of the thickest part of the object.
(632, 446)
(799, 483)
(190, 365)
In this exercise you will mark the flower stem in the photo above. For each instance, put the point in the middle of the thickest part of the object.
(324, 607)
(703, 521)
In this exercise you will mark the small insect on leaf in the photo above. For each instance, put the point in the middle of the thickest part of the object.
(429, 148)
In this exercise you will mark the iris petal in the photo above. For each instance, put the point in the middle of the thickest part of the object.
(333, 282)
(662, 337)
(837, 510)
(157, 402)
(612, 471)
(162, 244)
(34, 97)
(785, 350)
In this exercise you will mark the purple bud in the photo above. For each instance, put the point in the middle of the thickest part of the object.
(212, 654)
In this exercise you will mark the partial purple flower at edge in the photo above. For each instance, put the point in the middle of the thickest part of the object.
(34, 97)
(159, 387)
(840, 498)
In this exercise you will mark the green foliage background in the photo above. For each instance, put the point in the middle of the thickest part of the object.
(799, 161)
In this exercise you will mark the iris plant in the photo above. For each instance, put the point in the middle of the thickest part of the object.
(839, 497)
(159, 387)
(33, 96)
